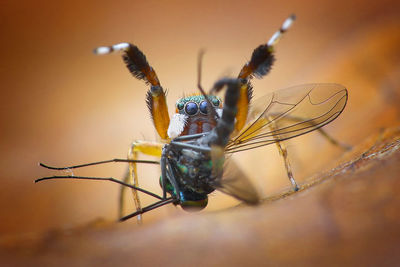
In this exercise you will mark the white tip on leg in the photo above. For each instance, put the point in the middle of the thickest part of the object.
(120, 46)
(288, 22)
(274, 38)
(102, 50)
(285, 26)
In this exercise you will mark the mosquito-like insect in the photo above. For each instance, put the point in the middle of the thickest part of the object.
(204, 129)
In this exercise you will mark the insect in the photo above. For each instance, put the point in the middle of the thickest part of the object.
(205, 129)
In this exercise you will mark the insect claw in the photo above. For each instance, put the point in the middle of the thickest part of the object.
(295, 186)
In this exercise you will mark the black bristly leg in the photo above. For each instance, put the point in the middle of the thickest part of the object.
(262, 58)
(259, 65)
(220, 134)
(140, 68)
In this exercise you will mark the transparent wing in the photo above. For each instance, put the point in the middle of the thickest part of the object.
(235, 183)
(288, 113)
(230, 179)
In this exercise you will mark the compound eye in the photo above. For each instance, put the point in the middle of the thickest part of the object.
(203, 107)
(191, 108)
(215, 102)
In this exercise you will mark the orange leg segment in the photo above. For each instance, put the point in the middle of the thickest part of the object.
(138, 66)
(243, 106)
(156, 102)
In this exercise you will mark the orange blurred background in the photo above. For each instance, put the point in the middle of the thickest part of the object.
(62, 105)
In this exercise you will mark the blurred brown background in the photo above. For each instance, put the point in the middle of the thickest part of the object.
(62, 105)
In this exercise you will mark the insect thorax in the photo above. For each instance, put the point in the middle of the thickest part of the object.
(195, 171)
(192, 171)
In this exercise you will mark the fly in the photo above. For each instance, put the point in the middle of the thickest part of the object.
(204, 129)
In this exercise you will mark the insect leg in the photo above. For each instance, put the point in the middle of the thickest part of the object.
(148, 208)
(283, 152)
(137, 64)
(191, 146)
(97, 163)
(143, 147)
(99, 179)
(134, 59)
(167, 172)
(189, 137)
(245, 95)
(285, 26)
(163, 201)
(324, 133)
(262, 57)
(225, 126)
(258, 66)
(333, 141)
(173, 181)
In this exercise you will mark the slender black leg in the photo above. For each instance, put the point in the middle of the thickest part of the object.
(164, 171)
(99, 179)
(98, 163)
(148, 208)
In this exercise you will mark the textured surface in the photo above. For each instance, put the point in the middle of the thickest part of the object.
(346, 216)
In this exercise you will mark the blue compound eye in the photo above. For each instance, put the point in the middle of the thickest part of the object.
(191, 108)
(203, 107)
